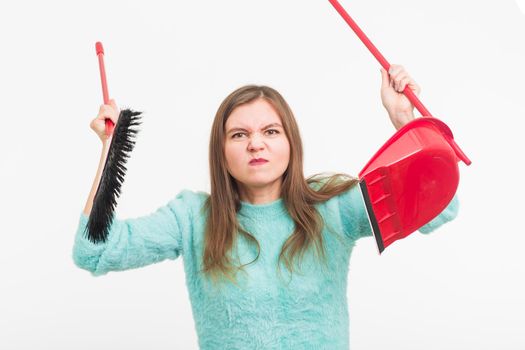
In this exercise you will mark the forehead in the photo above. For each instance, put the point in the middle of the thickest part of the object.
(253, 115)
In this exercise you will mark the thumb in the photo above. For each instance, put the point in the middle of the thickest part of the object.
(113, 104)
(385, 79)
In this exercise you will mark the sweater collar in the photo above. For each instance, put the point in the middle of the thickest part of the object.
(263, 211)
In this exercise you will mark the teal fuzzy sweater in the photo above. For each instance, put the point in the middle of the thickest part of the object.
(268, 310)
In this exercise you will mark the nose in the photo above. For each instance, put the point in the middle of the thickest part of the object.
(256, 143)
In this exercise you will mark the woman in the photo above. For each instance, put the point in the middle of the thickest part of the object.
(261, 214)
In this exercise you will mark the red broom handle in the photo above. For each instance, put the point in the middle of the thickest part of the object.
(100, 53)
(407, 91)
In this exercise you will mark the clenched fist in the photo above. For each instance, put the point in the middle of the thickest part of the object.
(398, 106)
(98, 125)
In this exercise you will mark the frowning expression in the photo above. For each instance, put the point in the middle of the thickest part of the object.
(254, 131)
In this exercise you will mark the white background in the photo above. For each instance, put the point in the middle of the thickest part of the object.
(461, 287)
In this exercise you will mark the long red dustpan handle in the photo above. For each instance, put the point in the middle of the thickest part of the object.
(100, 53)
(407, 91)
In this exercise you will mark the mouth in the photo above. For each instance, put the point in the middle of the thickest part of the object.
(258, 161)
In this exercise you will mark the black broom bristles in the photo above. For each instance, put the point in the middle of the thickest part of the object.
(108, 190)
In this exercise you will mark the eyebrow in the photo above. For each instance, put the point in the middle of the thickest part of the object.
(264, 128)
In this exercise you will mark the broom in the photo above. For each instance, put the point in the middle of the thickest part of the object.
(121, 145)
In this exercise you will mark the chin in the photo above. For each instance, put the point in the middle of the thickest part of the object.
(258, 181)
(261, 183)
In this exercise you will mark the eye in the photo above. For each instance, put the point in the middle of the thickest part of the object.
(239, 133)
(276, 131)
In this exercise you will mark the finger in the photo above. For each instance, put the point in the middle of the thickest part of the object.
(105, 109)
(393, 72)
(412, 85)
(113, 104)
(398, 77)
(392, 69)
(403, 83)
(385, 80)
(395, 69)
(105, 112)
(116, 110)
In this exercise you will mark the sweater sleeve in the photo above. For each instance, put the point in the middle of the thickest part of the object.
(448, 214)
(354, 216)
(134, 242)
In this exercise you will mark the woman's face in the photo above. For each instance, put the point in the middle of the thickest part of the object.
(254, 130)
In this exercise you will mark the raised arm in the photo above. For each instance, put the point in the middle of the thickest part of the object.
(399, 108)
(448, 214)
(354, 216)
(98, 126)
(135, 242)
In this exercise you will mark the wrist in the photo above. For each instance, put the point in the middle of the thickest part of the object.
(401, 114)
(106, 145)
(401, 118)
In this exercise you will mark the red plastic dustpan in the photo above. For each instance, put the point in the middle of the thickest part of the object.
(410, 180)
(414, 175)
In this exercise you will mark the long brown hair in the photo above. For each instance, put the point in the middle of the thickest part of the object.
(298, 196)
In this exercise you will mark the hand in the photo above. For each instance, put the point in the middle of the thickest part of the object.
(98, 124)
(398, 106)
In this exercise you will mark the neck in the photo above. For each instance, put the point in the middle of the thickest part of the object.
(260, 195)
